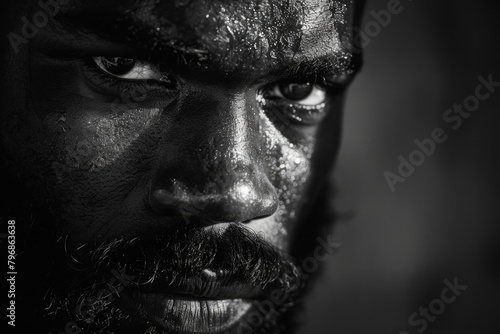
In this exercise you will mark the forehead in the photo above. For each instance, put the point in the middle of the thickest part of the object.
(229, 33)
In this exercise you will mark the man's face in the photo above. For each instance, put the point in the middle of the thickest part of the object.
(180, 143)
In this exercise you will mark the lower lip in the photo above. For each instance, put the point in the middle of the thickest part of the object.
(186, 314)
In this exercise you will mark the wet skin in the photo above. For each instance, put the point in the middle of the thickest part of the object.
(228, 113)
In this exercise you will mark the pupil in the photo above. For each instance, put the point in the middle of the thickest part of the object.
(295, 91)
(118, 65)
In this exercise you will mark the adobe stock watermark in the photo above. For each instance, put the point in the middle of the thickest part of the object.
(31, 27)
(436, 307)
(373, 28)
(454, 117)
(309, 265)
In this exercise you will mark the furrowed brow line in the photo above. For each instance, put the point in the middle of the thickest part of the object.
(339, 66)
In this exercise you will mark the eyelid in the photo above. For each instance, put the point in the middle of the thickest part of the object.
(317, 96)
(151, 71)
(110, 85)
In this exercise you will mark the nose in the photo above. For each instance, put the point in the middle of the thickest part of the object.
(212, 167)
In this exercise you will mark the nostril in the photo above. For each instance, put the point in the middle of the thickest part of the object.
(240, 197)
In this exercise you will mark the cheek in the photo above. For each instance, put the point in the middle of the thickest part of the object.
(91, 141)
(289, 170)
(93, 157)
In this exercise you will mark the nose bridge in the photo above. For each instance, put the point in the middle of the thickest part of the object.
(224, 179)
(232, 145)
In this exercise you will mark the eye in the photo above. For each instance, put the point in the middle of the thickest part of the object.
(129, 82)
(129, 68)
(299, 93)
(295, 102)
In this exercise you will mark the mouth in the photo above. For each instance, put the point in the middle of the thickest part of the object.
(205, 304)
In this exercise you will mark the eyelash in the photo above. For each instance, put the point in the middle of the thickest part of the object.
(117, 85)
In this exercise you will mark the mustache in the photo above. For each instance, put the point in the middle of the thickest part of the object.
(239, 255)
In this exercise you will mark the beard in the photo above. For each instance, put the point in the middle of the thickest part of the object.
(89, 291)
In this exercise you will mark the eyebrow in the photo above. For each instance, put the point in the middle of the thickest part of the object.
(337, 66)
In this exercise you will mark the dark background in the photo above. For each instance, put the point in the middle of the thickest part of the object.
(444, 221)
